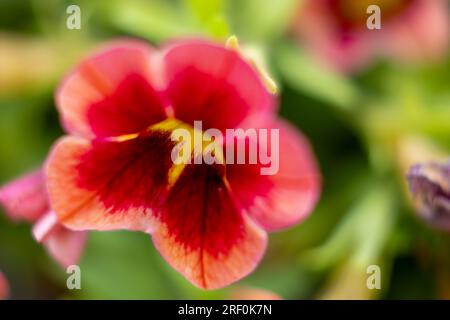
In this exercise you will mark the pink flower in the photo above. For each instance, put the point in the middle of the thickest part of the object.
(411, 30)
(249, 293)
(114, 170)
(25, 199)
(4, 287)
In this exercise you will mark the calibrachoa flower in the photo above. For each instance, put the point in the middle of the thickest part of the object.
(430, 187)
(411, 30)
(4, 287)
(114, 169)
(25, 199)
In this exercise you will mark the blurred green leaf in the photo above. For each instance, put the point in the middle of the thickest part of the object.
(210, 15)
(155, 20)
(124, 264)
(257, 20)
(377, 218)
(362, 234)
(304, 74)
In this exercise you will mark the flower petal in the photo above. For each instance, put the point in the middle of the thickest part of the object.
(63, 245)
(107, 185)
(411, 31)
(211, 83)
(203, 234)
(25, 198)
(66, 246)
(286, 197)
(44, 226)
(110, 93)
(4, 287)
(422, 33)
(342, 49)
(249, 293)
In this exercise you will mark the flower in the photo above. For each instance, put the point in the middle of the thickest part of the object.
(25, 199)
(114, 169)
(250, 293)
(4, 287)
(430, 186)
(411, 30)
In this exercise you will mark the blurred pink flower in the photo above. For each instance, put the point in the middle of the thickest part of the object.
(249, 293)
(114, 169)
(336, 31)
(4, 287)
(25, 199)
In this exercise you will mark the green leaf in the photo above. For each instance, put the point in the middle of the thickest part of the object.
(124, 264)
(304, 74)
(155, 20)
(210, 16)
(257, 20)
(361, 236)
(376, 221)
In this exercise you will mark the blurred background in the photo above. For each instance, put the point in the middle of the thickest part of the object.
(372, 103)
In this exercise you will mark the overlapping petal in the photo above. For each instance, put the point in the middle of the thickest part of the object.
(282, 199)
(111, 93)
(204, 234)
(26, 199)
(107, 184)
(213, 84)
(63, 245)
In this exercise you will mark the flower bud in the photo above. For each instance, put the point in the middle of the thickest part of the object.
(430, 186)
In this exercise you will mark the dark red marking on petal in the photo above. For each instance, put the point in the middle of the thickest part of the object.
(251, 184)
(128, 174)
(131, 108)
(199, 96)
(210, 83)
(200, 212)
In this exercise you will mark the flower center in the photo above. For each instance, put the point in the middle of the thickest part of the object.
(192, 145)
